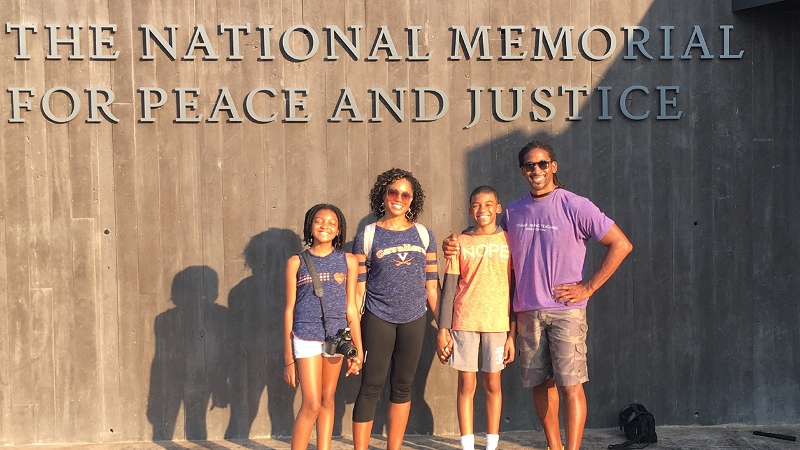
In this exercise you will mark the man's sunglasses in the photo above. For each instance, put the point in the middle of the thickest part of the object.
(394, 195)
(530, 165)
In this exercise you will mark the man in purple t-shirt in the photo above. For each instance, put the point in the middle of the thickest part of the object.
(548, 231)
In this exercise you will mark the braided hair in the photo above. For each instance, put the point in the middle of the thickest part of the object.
(383, 182)
(550, 154)
(308, 238)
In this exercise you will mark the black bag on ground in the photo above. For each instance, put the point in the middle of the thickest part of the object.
(638, 424)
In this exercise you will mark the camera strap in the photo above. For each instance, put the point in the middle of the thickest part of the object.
(318, 291)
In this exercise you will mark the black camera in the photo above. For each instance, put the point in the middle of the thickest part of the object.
(342, 344)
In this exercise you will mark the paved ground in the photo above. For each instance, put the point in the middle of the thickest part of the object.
(722, 437)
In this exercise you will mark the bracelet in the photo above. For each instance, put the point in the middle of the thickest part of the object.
(287, 365)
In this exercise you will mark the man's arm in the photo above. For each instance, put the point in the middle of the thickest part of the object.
(617, 248)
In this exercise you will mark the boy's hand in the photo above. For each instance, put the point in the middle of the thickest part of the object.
(450, 245)
(444, 345)
(509, 350)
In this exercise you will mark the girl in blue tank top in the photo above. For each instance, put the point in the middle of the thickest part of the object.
(307, 324)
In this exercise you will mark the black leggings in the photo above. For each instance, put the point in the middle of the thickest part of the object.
(385, 343)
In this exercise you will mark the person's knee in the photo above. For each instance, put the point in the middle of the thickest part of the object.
(311, 406)
(574, 391)
(401, 393)
(370, 391)
(491, 383)
(466, 383)
(546, 385)
(328, 401)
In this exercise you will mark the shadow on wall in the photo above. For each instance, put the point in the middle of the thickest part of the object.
(190, 359)
(255, 325)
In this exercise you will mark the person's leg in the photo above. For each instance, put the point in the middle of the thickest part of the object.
(574, 414)
(491, 364)
(467, 382)
(397, 420)
(361, 434)
(309, 371)
(537, 372)
(405, 358)
(377, 336)
(494, 407)
(567, 333)
(494, 401)
(331, 368)
(464, 358)
(545, 398)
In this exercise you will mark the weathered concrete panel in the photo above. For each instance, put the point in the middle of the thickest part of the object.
(116, 236)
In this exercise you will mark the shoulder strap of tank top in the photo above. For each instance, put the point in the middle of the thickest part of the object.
(318, 291)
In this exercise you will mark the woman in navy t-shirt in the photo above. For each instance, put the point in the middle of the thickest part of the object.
(401, 279)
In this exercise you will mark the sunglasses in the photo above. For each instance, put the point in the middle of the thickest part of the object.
(394, 195)
(530, 165)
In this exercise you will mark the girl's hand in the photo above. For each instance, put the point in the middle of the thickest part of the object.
(444, 345)
(354, 365)
(290, 375)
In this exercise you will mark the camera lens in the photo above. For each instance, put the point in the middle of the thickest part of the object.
(348, 350)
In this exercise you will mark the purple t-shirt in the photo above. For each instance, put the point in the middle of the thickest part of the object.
(548, 245)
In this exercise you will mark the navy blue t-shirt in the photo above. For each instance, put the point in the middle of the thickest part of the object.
(397, 273)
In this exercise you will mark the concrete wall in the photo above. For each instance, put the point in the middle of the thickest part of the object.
(141, 261)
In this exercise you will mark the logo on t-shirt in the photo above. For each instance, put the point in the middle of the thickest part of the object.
(339, 277)
(404, 260)
(483, 250)
(537, 227)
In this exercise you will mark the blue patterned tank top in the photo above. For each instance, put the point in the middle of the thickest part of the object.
(332, 270)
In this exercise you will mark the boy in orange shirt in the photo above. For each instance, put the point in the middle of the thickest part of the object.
(476, 324)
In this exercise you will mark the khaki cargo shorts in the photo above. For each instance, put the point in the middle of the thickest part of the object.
(552, 344)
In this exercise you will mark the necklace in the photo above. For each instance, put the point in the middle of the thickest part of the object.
(543, 195)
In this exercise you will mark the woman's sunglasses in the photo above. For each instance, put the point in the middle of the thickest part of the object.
(394, 195)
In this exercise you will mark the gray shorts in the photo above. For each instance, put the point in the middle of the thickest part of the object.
(474, 350)
(552, 344)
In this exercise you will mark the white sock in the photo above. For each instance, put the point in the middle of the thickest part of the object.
(468, 442)
(491, 441)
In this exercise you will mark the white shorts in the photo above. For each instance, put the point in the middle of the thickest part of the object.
(474, 350)
(307, 349)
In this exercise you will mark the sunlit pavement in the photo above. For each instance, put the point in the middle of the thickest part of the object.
(718, 437)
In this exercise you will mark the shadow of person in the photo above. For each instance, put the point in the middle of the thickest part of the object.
(255, 339)
(189, 362)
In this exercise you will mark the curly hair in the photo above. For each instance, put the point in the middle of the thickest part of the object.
(550, 154)
(338, 241)
(379, 189)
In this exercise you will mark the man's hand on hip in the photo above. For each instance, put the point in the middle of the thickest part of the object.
(572, 293)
